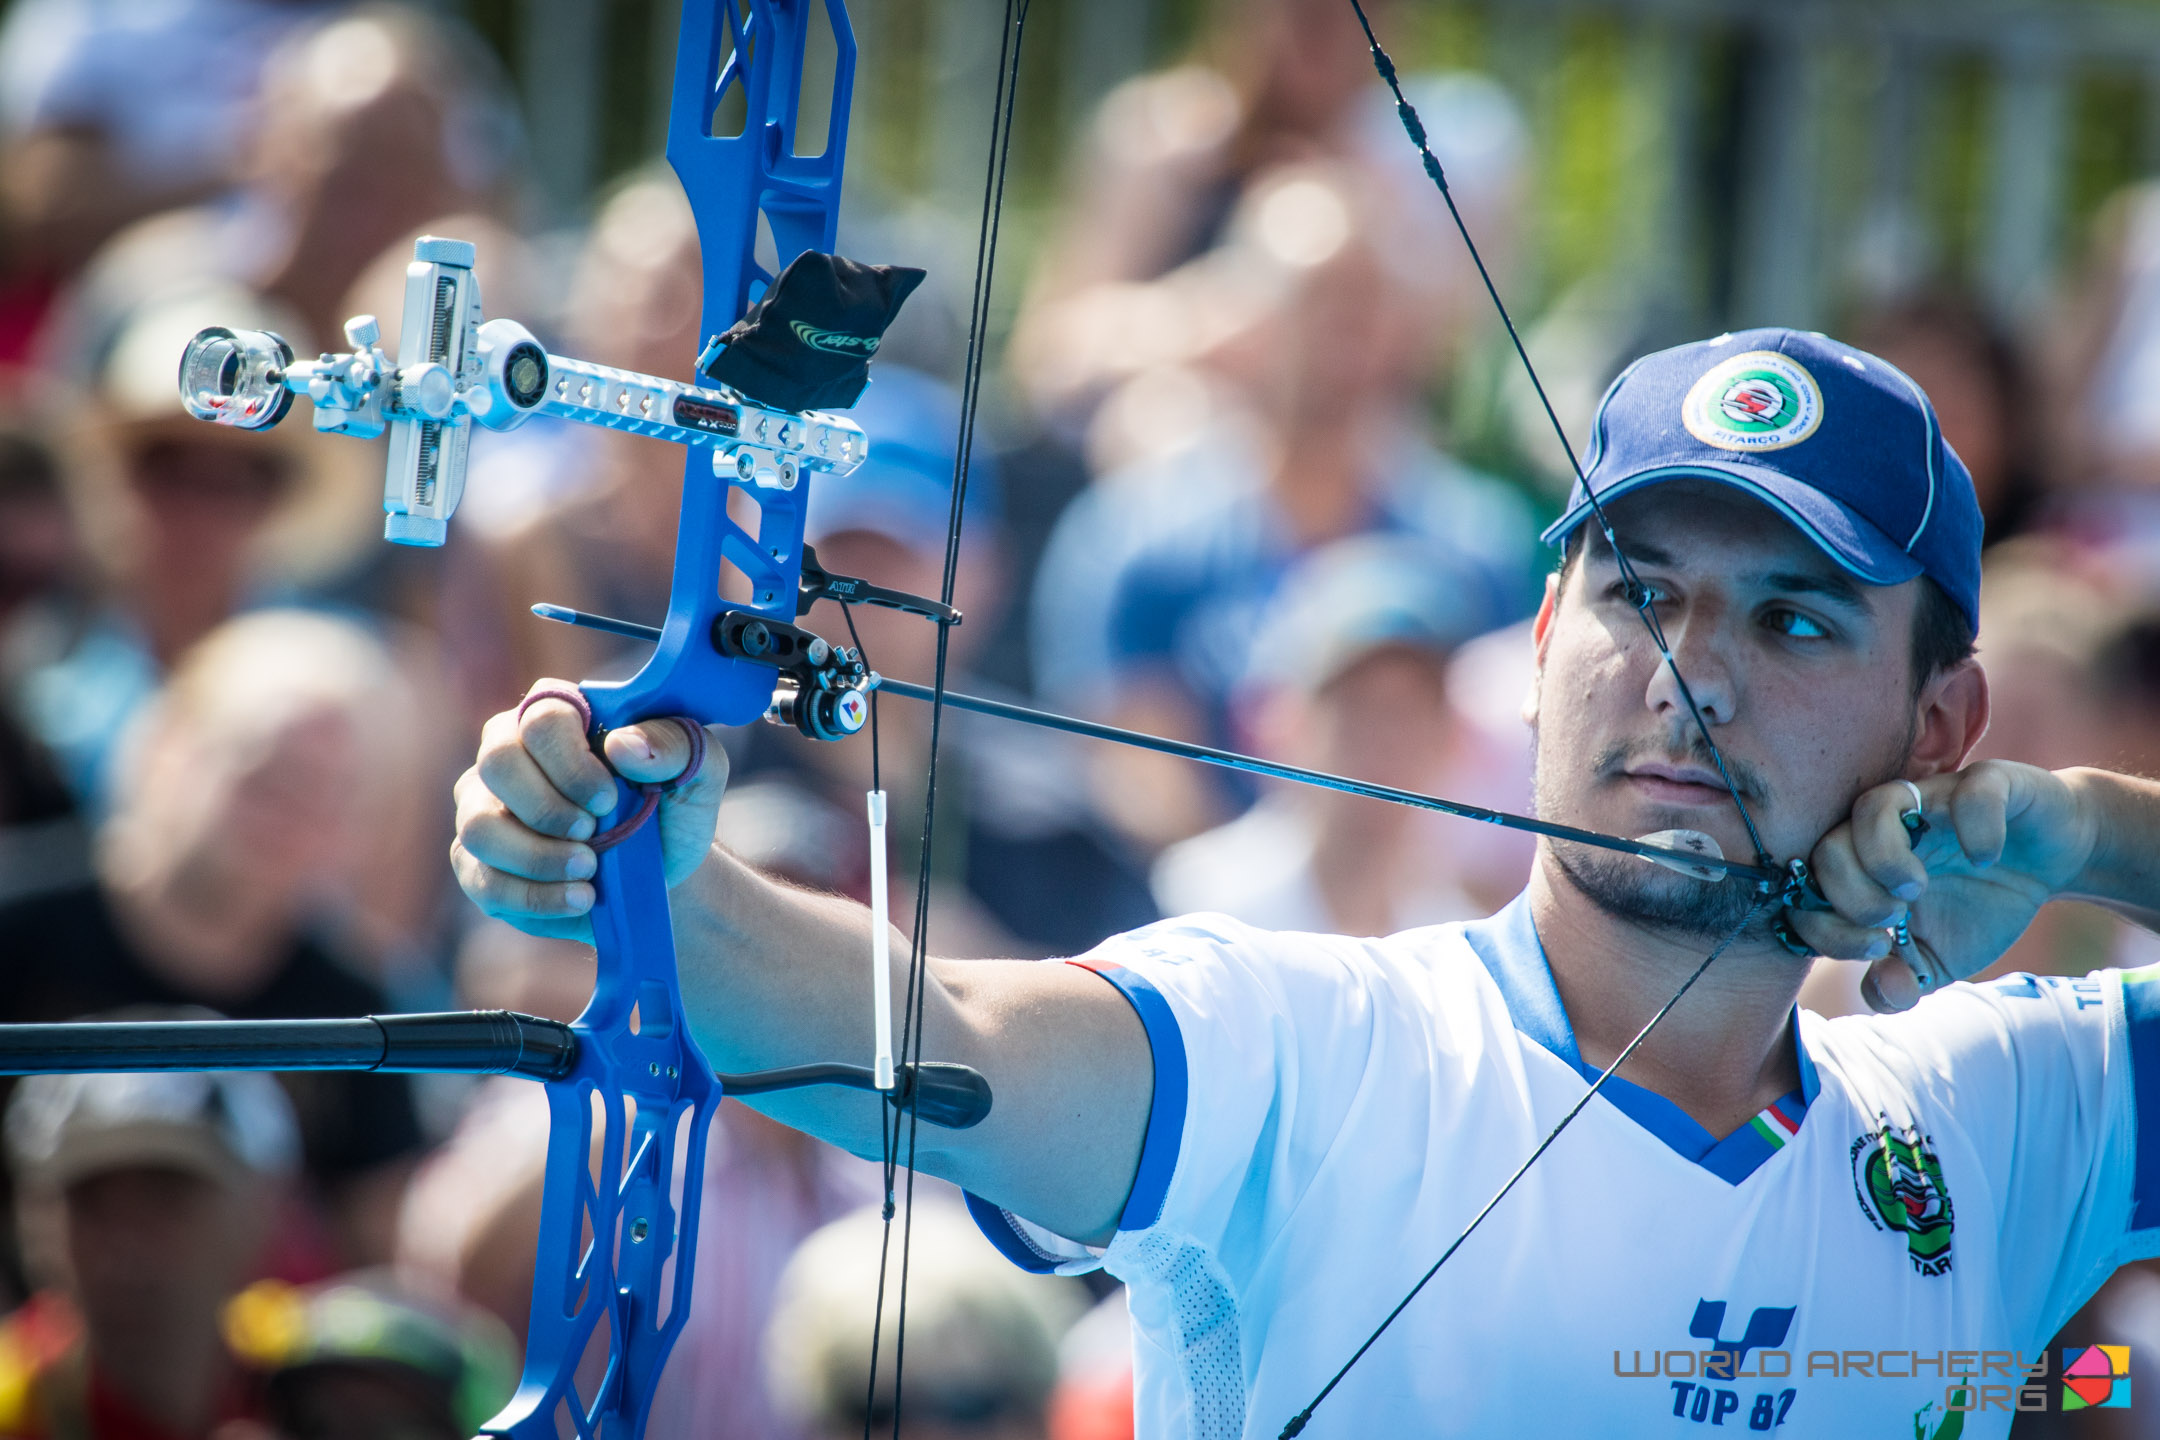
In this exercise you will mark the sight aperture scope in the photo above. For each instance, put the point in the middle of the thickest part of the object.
(525, 376)
(236, 377)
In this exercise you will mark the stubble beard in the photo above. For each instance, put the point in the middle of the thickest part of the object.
(1634, 890)
(1638, 892)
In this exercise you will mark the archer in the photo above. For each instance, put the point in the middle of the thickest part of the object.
(1267, 1135)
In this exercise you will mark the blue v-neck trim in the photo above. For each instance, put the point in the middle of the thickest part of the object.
(1509, 947)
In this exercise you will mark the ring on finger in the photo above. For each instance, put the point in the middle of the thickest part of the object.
(1915, 819)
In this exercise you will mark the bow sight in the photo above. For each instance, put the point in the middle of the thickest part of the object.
(455, 370)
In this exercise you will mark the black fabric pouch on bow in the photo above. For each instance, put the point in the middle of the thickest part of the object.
(806, 344)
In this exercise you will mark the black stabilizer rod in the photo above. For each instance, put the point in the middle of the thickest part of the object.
(465, 1042)
(462, 1042)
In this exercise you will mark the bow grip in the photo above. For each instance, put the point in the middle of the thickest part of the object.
(625, 1165)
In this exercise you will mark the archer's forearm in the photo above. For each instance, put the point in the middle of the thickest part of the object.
(773, 975)
(2123, 870)
(776, 975)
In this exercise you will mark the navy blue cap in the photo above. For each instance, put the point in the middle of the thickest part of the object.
(1837, 441)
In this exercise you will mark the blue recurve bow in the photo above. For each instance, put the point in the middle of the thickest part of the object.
(655, 1092)
(631, 1097)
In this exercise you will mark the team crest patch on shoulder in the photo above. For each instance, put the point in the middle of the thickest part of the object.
(1900, 1184)
(1757, 401)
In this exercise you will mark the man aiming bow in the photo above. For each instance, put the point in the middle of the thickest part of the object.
(1268, 1136)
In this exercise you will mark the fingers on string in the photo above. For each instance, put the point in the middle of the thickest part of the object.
(1854, 888)
(1980, 812)
(1826, 932)
(1883, 846)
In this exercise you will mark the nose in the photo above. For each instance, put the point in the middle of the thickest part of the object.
(1695, 664)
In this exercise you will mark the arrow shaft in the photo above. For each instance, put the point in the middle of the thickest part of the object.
(1763, 878)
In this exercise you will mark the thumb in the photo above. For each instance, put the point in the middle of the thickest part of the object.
(651, 752)
(1904, 978)
(655, 751)
(1890, 986)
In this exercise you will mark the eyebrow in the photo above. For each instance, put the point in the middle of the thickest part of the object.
(1831, 585)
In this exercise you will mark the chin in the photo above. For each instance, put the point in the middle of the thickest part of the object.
(1648, 895)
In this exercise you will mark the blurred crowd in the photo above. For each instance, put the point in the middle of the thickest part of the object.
(1218, 506)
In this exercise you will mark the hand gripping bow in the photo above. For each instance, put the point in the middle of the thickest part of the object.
(631, 1097)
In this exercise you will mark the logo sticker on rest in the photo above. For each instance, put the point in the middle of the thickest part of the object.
(1753, 402)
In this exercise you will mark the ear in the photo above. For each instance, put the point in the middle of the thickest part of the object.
(1541, 636)
(1949, 720)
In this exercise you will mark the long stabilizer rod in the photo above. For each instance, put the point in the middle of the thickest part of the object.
(462, 1042)
(471, 1042)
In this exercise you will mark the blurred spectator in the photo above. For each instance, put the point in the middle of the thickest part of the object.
(1147, 602)
(174, 514)
(1024, 867)
(1489, 681)
(2072, 649)
(1140, 330)
(38, 545)
(369, 124)
(2104, 435)
(1983, 395)
(1094, 1395)
(355, 1359)
(2107, 421)
(1131, 285)
(144, 1202)
(599, 529)
(244, 807)
(981, 1335)
(109, 112)
(42, 841)
(1351, 678)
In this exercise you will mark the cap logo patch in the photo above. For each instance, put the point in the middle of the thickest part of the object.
(1758, 401)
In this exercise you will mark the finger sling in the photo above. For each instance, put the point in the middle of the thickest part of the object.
(648, 795)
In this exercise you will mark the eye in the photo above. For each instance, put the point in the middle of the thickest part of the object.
(1618, 590)
(1794, 625)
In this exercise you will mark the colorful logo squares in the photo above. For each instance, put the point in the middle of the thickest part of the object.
(2096, 1377)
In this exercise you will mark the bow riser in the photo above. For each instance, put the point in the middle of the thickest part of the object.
(637, 1055)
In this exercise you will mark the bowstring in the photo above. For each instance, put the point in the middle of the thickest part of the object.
(1002, 110)
(885, 1137)
(1641, 596)
(1644, 601)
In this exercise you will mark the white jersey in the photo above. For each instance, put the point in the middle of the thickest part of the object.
(1883, 1252)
